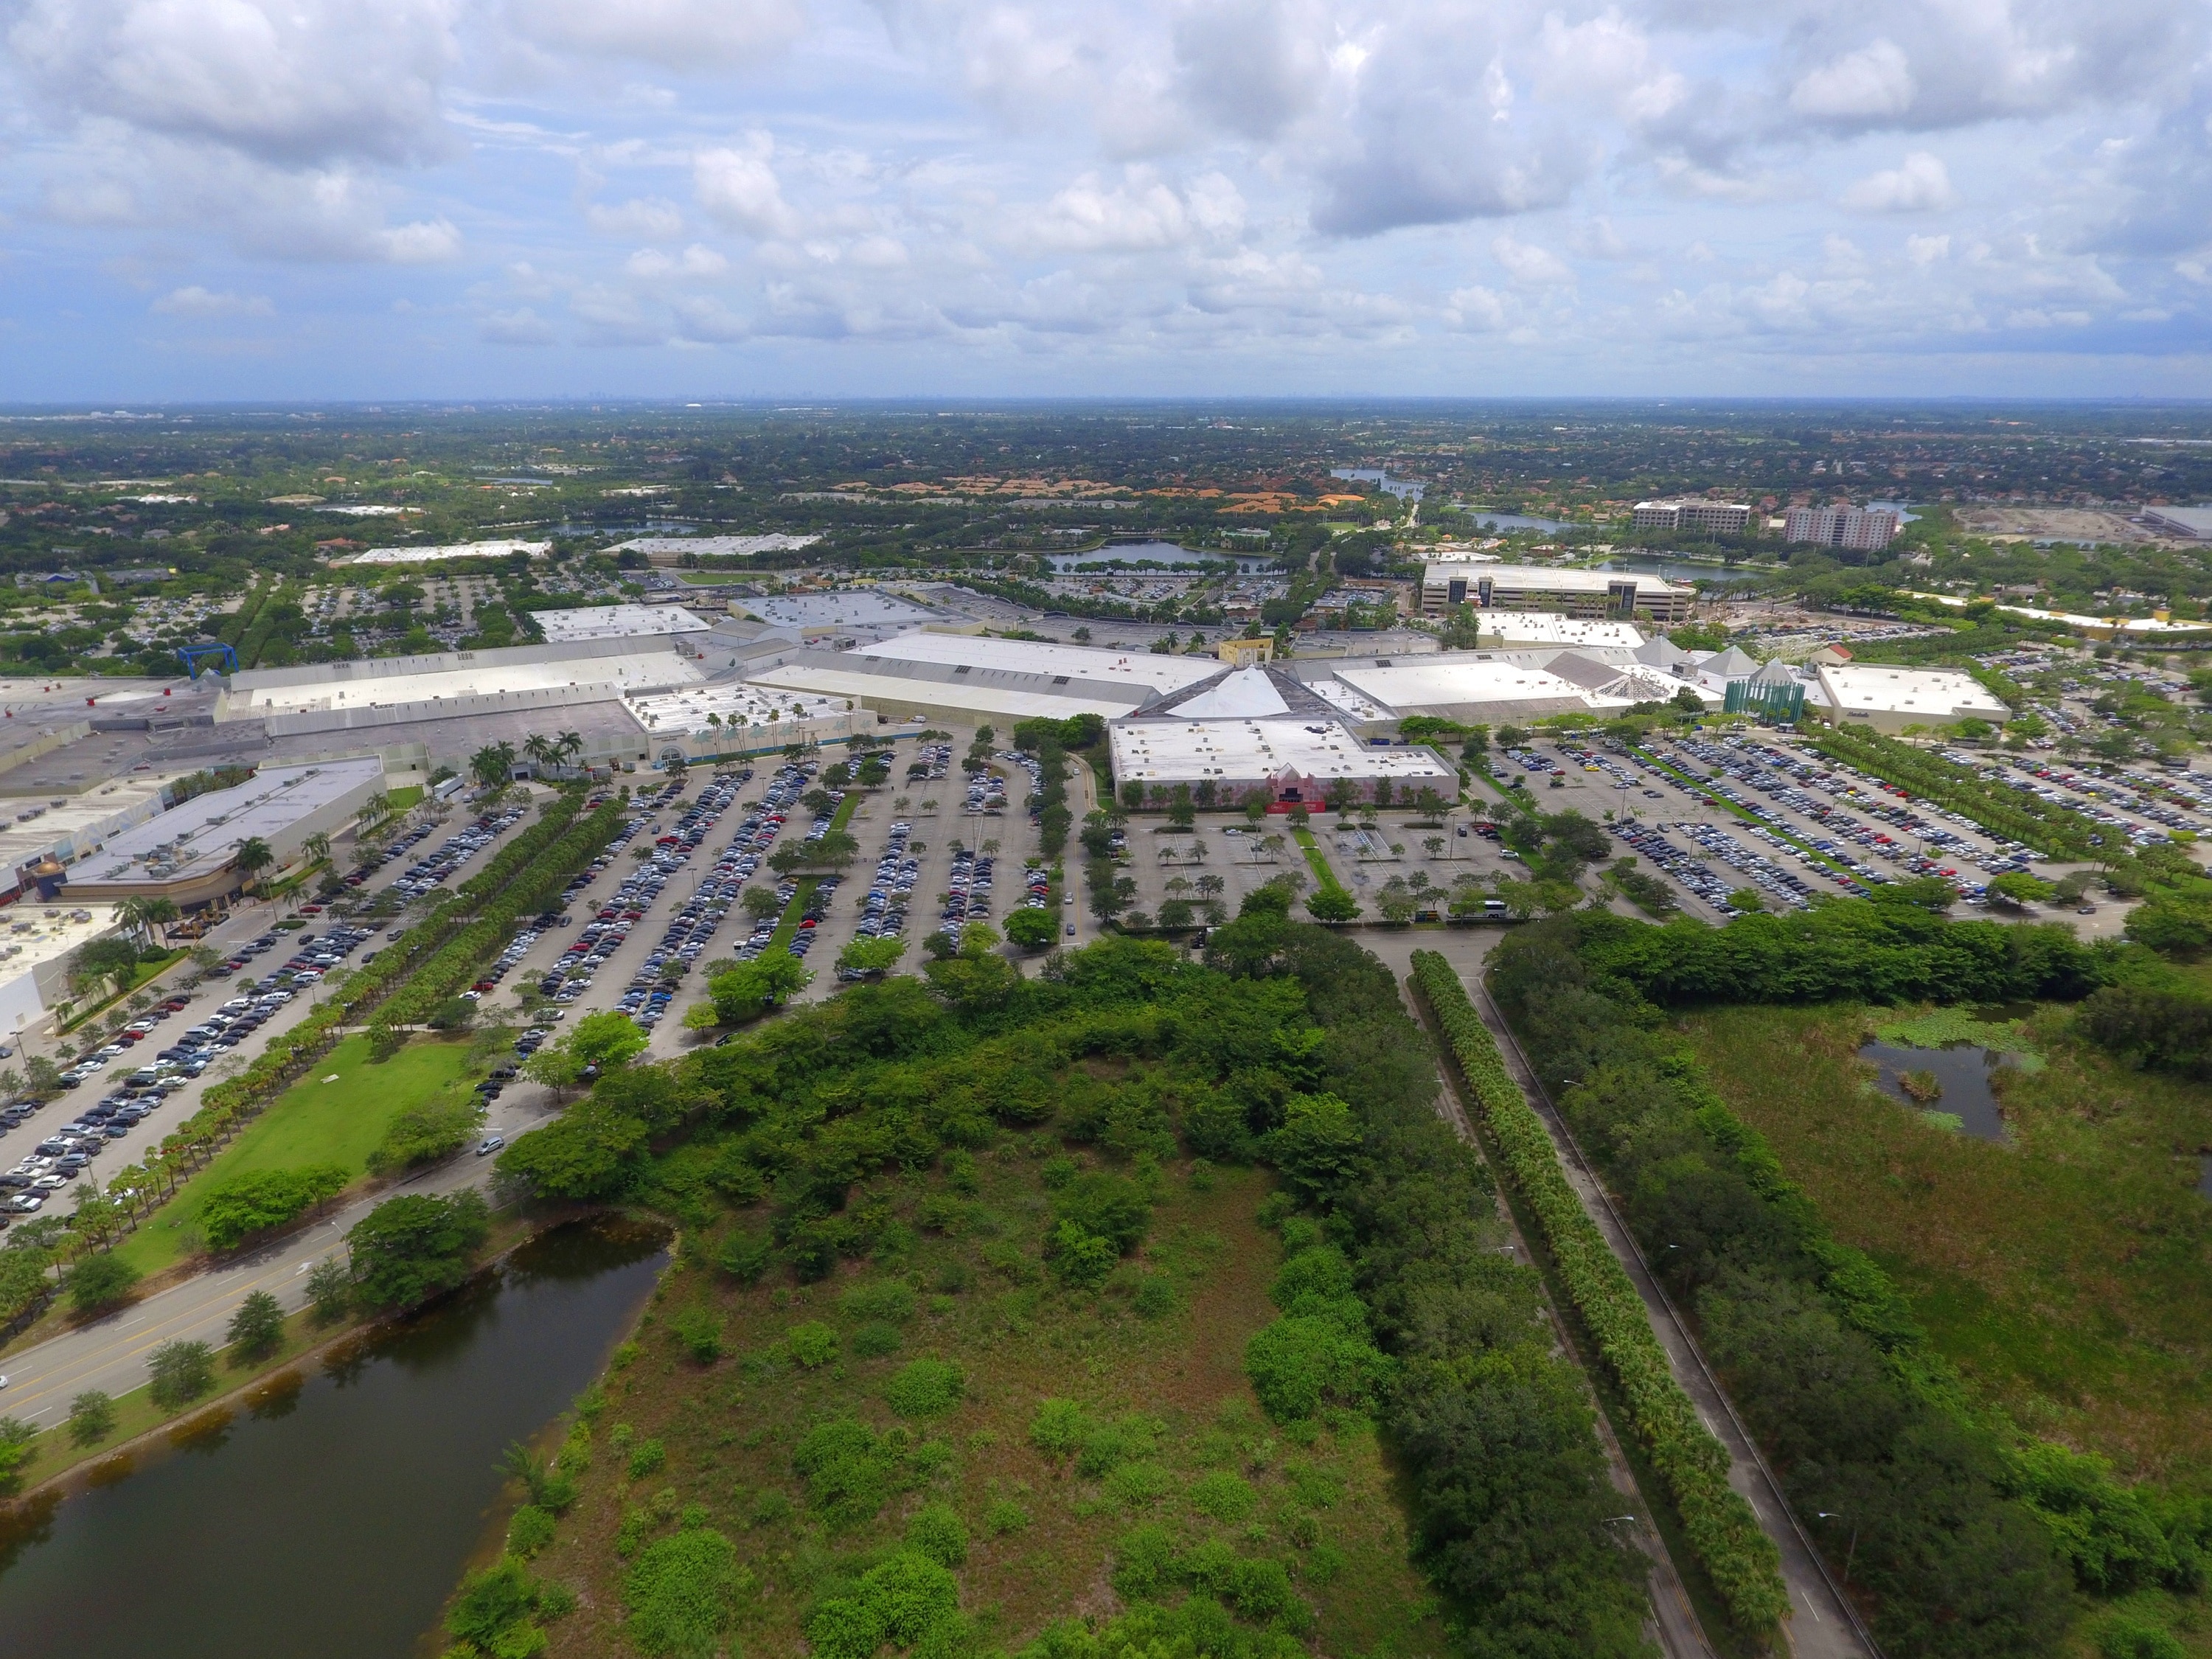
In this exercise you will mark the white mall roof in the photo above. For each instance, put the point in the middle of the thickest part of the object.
(1875, 688)
(372, 690)
(1550, 627)
(450, 551)
(717, 546)
(851, 608)
(1246, 693)
(984, 699)
(1244, 750)
(1457, 678)
(1082, 662)
(666, 713)
(618, 621)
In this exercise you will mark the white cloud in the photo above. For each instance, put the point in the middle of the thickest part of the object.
(739, 188)
(1529, 266)
(1875, 81)
(640, 219)
(196, 301)
(1927, 250)
(694, 262)
(291, 81)
(1475, 310)
(685, 35)
(425, 242)
(1922, 184)
(524, 327)
(1138, 211)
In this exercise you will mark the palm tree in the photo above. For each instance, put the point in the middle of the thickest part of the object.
(317, 846)
(146, 916)
(493, 764)
(541, 751)
(571, 745)
(253, 857)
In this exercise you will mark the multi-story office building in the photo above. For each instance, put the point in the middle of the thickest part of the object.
(1694, 513)
(1863, 529)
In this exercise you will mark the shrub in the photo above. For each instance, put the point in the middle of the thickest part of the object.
(647, 1457)
(698, 1331)
(812, 1344)
(1058, 1426)
(889, 1299)
(257, 1325)
(905, 1599)
(1225, 1496)
(848, 1471)
(746, 1257)
(936, 1530)
(426, 1133)
(875, 1339)
(249, 1204)
(1297, 1363)
(681, 1594)
(924, 1388)
(530, 1532)
(2122, 1637)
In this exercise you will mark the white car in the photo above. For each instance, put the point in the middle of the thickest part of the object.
(490, 1144)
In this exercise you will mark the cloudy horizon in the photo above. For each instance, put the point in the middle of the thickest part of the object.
(233, 198)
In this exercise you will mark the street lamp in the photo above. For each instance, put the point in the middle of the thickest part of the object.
(1850, 1553)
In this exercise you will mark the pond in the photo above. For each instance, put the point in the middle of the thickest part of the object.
(1499, 522)
(1684, 570)
(334, 1516)
(1962, 1071)
(1131, 554)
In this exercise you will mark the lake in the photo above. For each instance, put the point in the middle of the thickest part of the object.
(1963, 1071)
(335, 1516)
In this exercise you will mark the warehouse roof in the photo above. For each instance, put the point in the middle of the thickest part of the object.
(618, 621)
(202, 835)
(1143, 669)
(733, 703)
(496, 550)
(1550, 627)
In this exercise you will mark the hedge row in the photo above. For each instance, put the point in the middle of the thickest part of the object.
(1739, 1557)
(549, 849)
(455, 966)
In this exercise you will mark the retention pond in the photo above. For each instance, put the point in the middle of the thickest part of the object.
(334, 1514)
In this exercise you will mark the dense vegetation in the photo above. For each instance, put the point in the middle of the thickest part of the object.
(1966, 1537)
(1033, 1188)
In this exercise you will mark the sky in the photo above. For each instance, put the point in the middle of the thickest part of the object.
(307, 199)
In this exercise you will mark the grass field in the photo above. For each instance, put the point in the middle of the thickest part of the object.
(2063, 1272)
(312, 1122)
(1194, 1451)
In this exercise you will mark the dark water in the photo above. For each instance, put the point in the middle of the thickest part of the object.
(1963, 1070)
(332, 1519)
(1681, 570)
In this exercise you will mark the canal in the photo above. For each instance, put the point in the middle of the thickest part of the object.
(335, 1514)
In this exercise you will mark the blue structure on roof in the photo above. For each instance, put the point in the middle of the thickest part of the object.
(194, 655)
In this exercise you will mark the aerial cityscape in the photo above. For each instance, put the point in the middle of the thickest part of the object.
(1148, 830)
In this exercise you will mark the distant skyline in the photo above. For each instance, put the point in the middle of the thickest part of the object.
(212, 200)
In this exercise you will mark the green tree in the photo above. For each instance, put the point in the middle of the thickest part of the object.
(2017, 888)
(1332, 904)
(605, 1040)
(253, 857)
(1749, 900)
(180, 1372)
(409, 1249)
(1031, 929)
(259, 1200)
(493, 765)
(870, 956)
(330, 1290)
(91, 1418)
(99, 1282)
(255, 1328)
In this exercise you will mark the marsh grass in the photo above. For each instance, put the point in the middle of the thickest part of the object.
(2063, 1270)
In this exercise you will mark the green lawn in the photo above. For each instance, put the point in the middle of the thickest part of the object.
(402, 799)
(312, 1122)
(1316, 861)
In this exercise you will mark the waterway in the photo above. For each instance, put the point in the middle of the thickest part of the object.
(332, 1518)
(1963, 1071)
(1499, 522)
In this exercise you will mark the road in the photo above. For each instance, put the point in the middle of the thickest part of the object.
(109, 1353)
